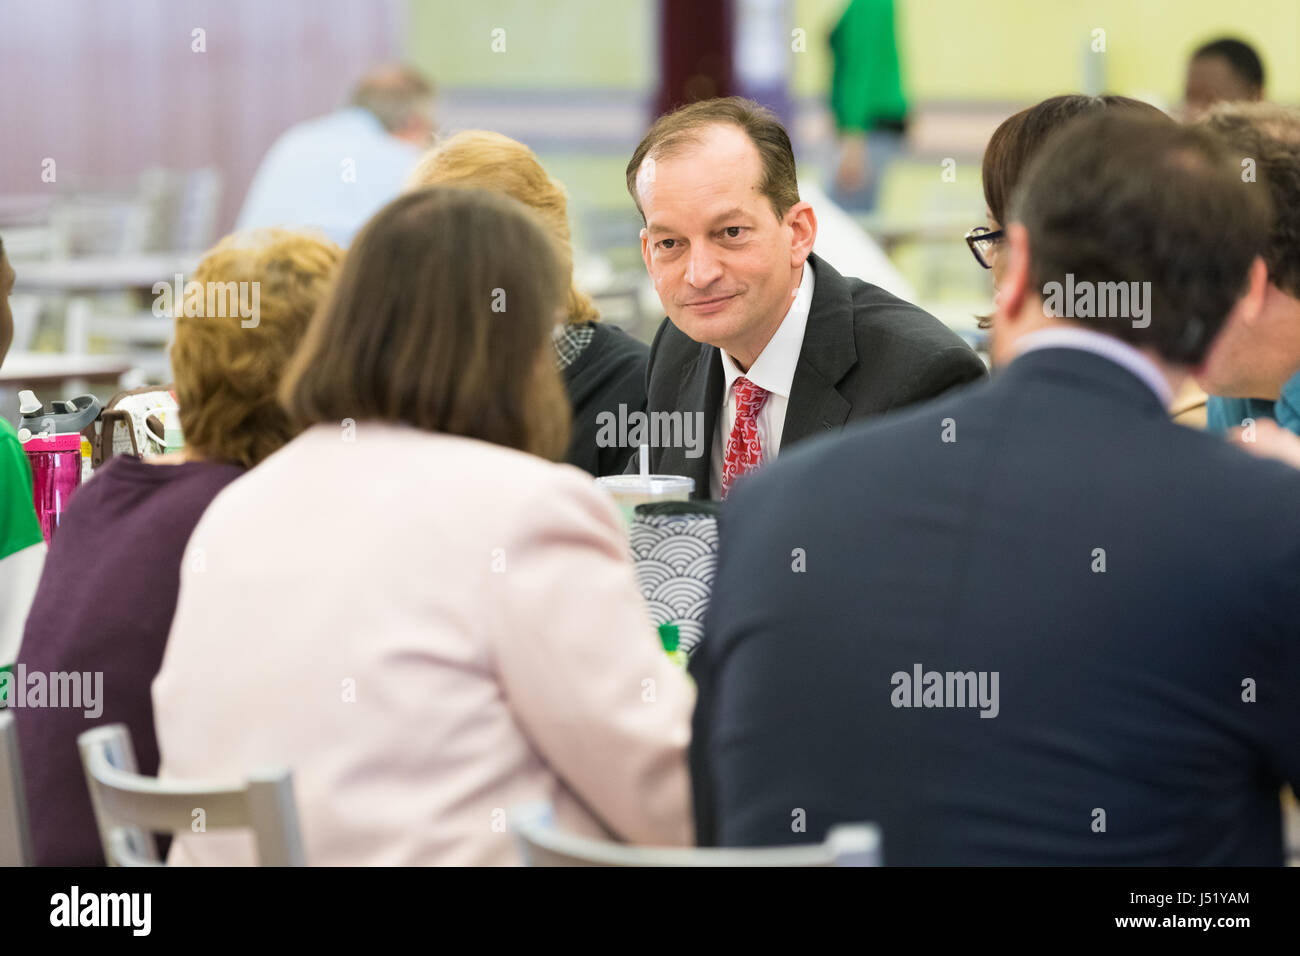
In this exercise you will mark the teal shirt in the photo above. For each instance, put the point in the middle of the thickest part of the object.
(1222, 414)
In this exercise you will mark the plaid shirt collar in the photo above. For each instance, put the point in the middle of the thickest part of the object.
(571, 341)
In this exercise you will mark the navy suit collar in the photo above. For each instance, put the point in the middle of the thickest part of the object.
(1084, 371)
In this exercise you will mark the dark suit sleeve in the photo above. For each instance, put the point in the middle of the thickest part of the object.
(702, 670)
(949, 368)
(633, 461)
(627, 387)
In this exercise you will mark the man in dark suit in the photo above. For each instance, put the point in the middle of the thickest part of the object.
(764, 344)
(1003, 625)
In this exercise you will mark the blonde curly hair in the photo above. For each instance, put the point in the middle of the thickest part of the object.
(227, 370)
(497, 163)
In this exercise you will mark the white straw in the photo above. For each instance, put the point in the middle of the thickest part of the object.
(645, 461)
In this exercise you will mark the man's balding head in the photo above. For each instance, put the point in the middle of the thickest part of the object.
(400, 98)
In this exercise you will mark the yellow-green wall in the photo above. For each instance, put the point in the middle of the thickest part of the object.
(1029, 49)
(952, 49)
(549, 44)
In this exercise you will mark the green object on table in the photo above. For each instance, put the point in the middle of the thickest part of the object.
(670, 637)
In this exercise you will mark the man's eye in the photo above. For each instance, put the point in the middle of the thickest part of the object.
(666, 243)
(733, 232)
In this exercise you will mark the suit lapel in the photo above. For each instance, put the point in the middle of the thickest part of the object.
(829, 350)
(700, 392)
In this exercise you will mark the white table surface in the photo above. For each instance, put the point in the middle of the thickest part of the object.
(102, 273)
(23, 368)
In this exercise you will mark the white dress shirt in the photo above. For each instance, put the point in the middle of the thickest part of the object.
(773, 370)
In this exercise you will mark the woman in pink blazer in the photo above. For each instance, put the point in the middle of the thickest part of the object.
(409, 605)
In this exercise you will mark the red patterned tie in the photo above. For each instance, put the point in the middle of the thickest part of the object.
(744, 453)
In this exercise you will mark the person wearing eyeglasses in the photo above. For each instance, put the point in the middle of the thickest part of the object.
(1010, 151)
(1013, 146)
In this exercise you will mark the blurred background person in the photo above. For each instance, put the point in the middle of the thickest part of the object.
(22, 547)
(1226, 70)
(1253, 372)
(441, 622)
(108, 590)
(867, 100)
(1078, 708)
(334, 172)
(603, 367)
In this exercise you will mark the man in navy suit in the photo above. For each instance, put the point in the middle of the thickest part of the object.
(1003, 625)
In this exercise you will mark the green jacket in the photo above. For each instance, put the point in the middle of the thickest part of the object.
(866, 86)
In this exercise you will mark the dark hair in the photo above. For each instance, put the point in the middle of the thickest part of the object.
(684, 126)
(1119, 199)
(1269, 135)
(441, 318)
(1017, 140)
(1241, 56)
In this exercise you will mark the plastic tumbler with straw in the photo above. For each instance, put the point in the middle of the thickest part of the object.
(645, 488)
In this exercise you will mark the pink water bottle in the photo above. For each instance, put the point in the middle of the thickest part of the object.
(56, 473)
(51, 436)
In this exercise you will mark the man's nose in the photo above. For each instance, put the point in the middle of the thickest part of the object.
(704, 268)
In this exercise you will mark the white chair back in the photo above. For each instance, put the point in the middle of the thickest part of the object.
(542, 844)
(129, 807)
(15, 833)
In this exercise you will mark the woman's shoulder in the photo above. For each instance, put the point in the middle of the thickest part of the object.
(615, 342)
(357, 458)
(614, 360)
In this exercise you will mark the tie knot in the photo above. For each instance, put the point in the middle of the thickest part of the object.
(749, 397)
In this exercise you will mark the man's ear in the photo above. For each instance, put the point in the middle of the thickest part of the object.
(1237, 332)
(1014, 289)
(645, 247)
(802, 222)
(1250, 306)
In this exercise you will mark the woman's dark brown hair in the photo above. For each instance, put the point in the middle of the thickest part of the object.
(1019, 138)
(441, 319)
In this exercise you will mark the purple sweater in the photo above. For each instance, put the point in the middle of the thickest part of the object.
(104, 605)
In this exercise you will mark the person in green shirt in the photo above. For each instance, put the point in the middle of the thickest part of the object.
(22, 547)
(867, 100)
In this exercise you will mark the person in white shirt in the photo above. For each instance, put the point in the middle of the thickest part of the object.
(334, 172)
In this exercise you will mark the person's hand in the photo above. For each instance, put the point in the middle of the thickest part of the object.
(1264, 438)
(854, 172)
